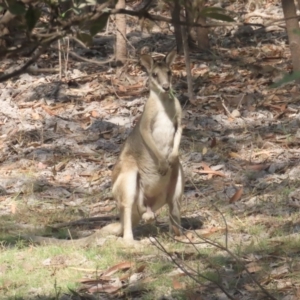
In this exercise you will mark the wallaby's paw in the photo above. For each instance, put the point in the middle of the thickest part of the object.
(129, 243)
(148, 216)
(173, 159)
(163, 167)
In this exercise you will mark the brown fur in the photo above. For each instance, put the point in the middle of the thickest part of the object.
(148, 173)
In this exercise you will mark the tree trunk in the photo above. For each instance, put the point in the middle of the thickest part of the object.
(121, 46)
(177, 27)
(292, 28)
(190, 16)
(202, 32)
(197, 34)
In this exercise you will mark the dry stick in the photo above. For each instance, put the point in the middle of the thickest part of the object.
(219, 246)
(92, 61)
(67, 56)
(79, 42)
(59, 59)
(225, 107)
(181, 267)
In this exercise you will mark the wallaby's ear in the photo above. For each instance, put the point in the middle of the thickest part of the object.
(169, 59)
(146, 61)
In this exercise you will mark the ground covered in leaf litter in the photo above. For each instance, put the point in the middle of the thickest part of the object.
(240, 153)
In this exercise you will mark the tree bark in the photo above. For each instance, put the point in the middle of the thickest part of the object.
(292, 28)
(189, 76)
(121, 46)
(177, 27)
(202, 32)
(197, 34)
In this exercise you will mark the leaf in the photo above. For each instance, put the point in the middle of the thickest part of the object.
(211, 9)
(208, 170)
(216, 13)
(178, 285)
(87, 39)
(141, 269)
(13, 208)
(17, 8)
(206, 232)
(237, 196)
(95, 114)
(257, 167)
(99, 24)
(253, 267)
(218, 16)
(110, 287)
(87, 3)
(213, 172)
(287, 78)
(121, 266)
(213, 142)
(32, 16)
(48, 110)
(63, 14)
(234, 155)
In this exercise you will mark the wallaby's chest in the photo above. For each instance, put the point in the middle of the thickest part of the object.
(163, 127)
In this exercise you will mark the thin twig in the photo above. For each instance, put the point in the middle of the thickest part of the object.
(226, 249)
(59, 59)
(182, 267)
(92, 61)
(67, 55)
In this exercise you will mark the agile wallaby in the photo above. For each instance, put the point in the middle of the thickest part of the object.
(148, 173)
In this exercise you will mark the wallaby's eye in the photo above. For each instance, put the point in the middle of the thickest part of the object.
(154, 75)
(169, 73)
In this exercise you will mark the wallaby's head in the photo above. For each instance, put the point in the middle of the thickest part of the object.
(160, 74)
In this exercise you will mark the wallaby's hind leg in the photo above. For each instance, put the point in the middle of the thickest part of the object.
(174, 196)
(125, 192)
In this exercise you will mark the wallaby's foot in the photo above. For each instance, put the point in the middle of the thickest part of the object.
(129, 243)
(111, 229)
(149, 215)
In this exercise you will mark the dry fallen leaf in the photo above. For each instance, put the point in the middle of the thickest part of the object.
(121, 266)
(95, 114)
(178, 285)
(237, 196)
(212, 172)
(206, 232)
(208, 170)
(257, 167)
(111, 287)
(13, 208)
(253, 267)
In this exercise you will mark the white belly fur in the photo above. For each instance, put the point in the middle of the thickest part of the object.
(163, 133)
(153, 184)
